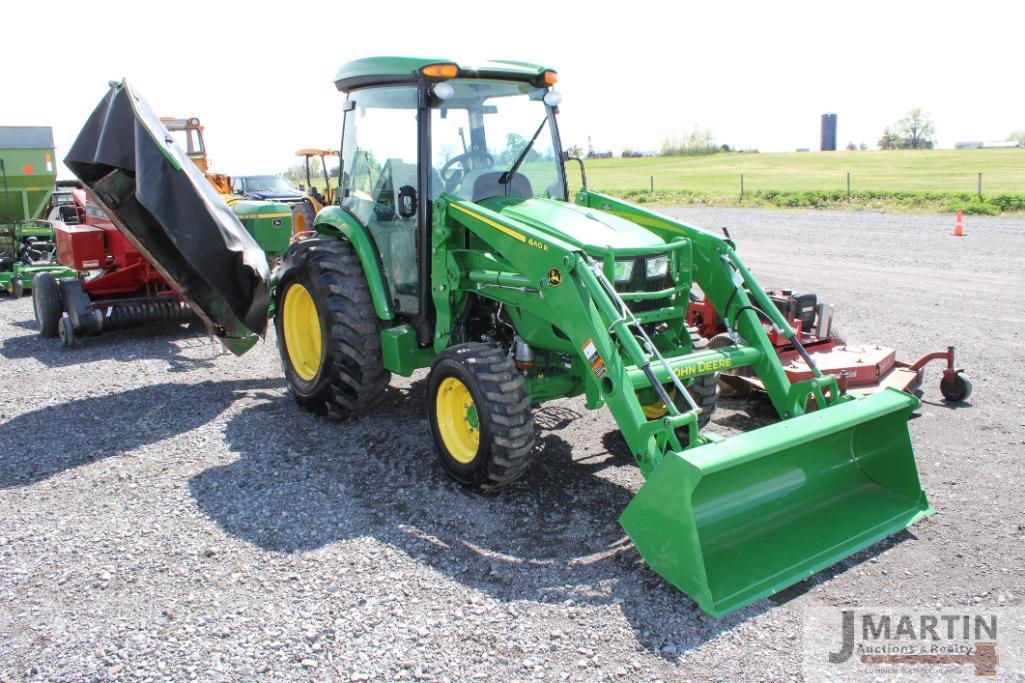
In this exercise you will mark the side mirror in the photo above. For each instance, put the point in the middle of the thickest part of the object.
(407, 201)
(583, 173)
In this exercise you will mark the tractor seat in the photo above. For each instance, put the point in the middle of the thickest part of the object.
(483, 184)
(68, 215)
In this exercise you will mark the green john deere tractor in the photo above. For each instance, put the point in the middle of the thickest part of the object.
(455, 246)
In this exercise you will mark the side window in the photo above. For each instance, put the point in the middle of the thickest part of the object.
(379, 154)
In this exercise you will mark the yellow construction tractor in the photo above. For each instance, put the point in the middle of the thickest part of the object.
(267, 221)
(188, 133)
(305, 211)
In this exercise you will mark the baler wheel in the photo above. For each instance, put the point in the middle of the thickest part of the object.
(46, 302)
(67, 332)
(956, 390)
(335, 365)
(17, 288)
(479, 415)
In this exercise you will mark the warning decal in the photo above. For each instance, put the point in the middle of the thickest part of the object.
(594, 359)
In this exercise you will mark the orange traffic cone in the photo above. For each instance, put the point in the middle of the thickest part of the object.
(959, 226)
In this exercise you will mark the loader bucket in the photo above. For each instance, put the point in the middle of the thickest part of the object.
(729, 523)
(163, 204)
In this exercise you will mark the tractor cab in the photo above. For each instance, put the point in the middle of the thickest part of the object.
(417, 128)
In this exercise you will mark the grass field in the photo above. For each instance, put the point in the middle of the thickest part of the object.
(920, 181)
(900, 170)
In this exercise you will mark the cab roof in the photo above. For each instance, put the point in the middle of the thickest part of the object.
(389, 70)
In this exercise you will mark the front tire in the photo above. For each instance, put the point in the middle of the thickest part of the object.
(704, 389)
(479, 415)
(328, 331)
(17, 288)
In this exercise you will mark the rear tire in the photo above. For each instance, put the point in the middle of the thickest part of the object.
(46, 302)
(323, 306)
(479, 415)
(303, 217)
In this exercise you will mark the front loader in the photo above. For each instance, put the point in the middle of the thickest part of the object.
(455, 247)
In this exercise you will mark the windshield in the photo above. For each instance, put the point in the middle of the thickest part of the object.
(483, 131)
(268, 183)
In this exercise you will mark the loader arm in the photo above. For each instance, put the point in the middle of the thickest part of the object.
(737, 298)
(584, 321)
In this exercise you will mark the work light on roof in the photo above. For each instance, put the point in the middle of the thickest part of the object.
(440, 70)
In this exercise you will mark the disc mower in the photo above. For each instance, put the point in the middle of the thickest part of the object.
(121, 287)
(456, 248)
(865, 367)
(27, 175)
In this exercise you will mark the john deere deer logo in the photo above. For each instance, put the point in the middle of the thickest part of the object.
(554, 277)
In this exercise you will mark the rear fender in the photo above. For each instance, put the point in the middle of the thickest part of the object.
(335, 221)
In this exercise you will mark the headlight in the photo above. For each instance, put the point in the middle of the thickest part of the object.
(657, 266)
(624, 269)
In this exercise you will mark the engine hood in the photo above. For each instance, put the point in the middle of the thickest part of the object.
(581, 226)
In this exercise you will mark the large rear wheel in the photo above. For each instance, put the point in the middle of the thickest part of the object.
(479, 414)
(328, 331)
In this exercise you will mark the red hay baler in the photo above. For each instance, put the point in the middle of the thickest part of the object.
(122, 289)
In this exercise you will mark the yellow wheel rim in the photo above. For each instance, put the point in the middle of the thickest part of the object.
(655, 410)
(458, 421)
(301, 325)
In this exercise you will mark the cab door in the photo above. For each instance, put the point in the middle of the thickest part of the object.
(380, 183)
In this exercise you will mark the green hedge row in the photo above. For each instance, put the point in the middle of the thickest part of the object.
(966, 202)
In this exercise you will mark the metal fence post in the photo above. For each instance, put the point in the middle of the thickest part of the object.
(848, 186)
(741, 187)
(980, 187)
(652, 178)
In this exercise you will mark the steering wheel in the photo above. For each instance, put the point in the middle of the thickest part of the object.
(449, 175)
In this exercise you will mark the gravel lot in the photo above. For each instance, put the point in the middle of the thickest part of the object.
(167, 512)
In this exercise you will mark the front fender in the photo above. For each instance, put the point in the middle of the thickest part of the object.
(334, 221)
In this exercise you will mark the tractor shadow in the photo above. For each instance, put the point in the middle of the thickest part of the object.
(550, 538)
(184, 347)
(45, 442)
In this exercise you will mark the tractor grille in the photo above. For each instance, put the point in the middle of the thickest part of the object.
(639, 282)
